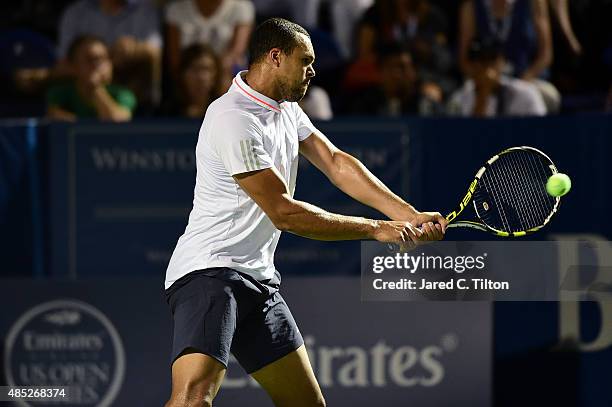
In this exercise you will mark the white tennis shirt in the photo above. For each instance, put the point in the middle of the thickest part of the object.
(242, 131)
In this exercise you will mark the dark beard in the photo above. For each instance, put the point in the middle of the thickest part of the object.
(294, 94)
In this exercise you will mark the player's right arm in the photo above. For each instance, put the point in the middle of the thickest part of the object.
(268, 190)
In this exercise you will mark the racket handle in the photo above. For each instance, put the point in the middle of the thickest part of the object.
(468, 224)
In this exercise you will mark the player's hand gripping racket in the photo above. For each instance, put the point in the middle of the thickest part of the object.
(508, 194)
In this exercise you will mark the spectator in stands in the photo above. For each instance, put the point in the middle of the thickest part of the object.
(489, 92)
(200, 73)
(130, 28)
(401, 92)
(417, 24)
(523, 28)
(225, 25)
(90, 94)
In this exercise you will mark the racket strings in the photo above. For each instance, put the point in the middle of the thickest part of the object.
(500, 179)
(525, 212)
(536, 189)
(512, 199)
(536, 174)
(491, 187)
(525, 171)
(513, 189)
(528, 202)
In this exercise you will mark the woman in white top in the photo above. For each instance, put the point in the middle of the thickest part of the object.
(225, 25)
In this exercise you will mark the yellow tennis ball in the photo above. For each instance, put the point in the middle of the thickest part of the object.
(558, 184)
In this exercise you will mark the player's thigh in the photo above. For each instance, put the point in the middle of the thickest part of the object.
(204, 314)
(290, 381)
(195, 377)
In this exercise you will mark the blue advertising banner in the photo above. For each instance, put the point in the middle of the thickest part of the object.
(109, 341)
(119, 192)
(105, 339)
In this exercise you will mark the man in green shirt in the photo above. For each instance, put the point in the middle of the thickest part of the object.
(90, 94)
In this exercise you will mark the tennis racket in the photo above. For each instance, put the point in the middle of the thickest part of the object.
(508, 194)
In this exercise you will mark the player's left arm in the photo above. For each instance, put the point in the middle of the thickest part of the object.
(353, 178)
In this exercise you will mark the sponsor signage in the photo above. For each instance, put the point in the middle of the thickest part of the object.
(108, 341)
(66, 343)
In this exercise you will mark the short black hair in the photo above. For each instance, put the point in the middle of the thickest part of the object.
(80, 41)
(274, 33)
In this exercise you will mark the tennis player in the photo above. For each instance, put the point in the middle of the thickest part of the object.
(221, 283)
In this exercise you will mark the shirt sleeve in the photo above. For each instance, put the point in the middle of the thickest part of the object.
(534, 103)
(125, 98)
(525, 99)
(238, 141)
(304, 126)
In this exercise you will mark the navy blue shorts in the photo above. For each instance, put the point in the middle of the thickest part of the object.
(219, 310)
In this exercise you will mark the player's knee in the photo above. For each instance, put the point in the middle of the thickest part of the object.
(191, 398)
(200, 393)
(199, 403)
(194, 392)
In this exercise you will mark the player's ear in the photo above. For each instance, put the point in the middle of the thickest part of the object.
(275, 56)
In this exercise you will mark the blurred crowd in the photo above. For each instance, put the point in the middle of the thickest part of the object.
(119, 59)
